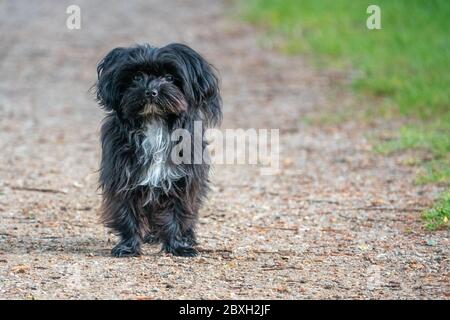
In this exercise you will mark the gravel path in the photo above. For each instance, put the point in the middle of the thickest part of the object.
(338, 221)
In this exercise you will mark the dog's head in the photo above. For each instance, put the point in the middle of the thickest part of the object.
(143, 81)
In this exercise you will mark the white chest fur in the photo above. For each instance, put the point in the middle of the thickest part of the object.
(154, 156)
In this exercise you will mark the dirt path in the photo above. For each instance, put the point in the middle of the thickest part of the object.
(338, 222)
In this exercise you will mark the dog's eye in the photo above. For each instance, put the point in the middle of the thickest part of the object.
(169, 77)
(138, 76)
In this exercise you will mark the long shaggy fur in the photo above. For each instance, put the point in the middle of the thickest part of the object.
(147, 93)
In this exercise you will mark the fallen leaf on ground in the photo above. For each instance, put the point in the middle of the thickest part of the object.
(21, 268)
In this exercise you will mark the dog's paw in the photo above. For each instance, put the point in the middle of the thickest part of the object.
(151, 239)
(123, 250)
(185, 252)
(182, 251)
(189, 241)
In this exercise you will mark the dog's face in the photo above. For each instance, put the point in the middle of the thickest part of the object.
(151, 91)
(144, 81)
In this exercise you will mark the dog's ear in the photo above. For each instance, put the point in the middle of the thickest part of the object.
(108, 94)
(202, 83)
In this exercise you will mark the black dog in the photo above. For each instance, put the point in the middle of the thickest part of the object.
(148, 92)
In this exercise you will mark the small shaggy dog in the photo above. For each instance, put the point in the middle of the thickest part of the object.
(148, 93)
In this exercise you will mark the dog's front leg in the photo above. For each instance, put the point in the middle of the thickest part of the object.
(177, 229)
(121, 216)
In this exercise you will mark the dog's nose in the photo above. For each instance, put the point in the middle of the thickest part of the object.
(153, 93)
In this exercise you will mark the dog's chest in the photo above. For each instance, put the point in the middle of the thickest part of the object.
(153, 157)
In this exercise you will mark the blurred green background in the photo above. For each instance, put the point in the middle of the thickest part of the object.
(403, 69)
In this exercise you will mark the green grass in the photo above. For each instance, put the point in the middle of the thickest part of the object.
(434, 142)
(430, 138)
(404, 67)
(407, 61)
(439, 216)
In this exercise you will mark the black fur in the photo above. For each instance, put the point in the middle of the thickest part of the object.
(186, 91)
